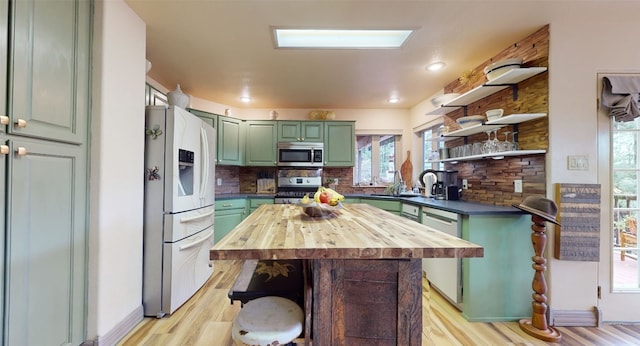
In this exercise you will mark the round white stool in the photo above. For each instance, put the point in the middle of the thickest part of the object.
(267, 321)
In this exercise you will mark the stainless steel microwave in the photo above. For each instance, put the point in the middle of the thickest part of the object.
(300, 154)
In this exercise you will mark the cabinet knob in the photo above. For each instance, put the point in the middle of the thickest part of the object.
(4, 120)
(21, 151)
(21, 123)
(302, 139)
(4, 149)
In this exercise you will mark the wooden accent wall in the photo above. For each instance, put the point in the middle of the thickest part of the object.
(491, 181)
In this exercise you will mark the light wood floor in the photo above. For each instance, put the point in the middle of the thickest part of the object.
(206, 320)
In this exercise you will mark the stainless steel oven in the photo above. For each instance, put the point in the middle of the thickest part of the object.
(300, 154)
(294, 183)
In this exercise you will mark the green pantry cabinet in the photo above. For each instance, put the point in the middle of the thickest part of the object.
(44, 163)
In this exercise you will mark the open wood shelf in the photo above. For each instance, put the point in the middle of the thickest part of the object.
(509, 79)
(495, 156)
(511, 119)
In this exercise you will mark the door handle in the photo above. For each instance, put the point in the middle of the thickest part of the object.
(196, 242)
(21, 151)
(21, 123)
(197, 217)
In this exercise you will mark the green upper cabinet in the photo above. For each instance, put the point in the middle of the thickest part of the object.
(209, 118)
(154, 97)
(49, 44)
(300, 131)
(339, 143)
(261, 143)
(231, 141)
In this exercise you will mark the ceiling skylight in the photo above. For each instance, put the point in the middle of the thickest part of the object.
(329, 38)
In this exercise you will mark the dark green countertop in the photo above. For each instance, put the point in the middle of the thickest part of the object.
(459, 207)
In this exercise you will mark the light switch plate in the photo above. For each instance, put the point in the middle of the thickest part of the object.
(219, 181)
(577, 162)
(465, 184)
(517, 186)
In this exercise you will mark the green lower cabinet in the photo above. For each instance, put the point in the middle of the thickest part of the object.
(497, 287)
(394, 207)
(349, 200)
(254, 203)
(228, 214)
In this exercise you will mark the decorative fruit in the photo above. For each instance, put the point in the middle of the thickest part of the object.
(325, 197)
(305, 199)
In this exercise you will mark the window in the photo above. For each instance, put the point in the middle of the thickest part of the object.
(430, 146)
(376, 159)
(625, 172)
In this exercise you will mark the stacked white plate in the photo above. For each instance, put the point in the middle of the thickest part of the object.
(499, 68)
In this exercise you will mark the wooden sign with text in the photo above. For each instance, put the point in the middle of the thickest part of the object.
(578, 239)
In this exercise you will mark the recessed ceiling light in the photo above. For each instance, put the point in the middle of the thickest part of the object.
(394, 100)
(245, 99)
(435, 66)
(350, 38)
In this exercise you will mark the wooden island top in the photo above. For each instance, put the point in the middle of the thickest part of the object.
(365, 268)
(356, 231)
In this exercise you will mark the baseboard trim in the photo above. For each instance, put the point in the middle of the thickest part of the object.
(575, 318)
(119, 331)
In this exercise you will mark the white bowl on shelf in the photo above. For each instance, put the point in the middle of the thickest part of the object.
(470, 120)
(442, 99)
(494, 114)
(501, 67)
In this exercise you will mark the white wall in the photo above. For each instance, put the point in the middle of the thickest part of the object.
(584, 41)
(116, 177)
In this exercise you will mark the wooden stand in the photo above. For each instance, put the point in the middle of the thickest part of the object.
(537, 326)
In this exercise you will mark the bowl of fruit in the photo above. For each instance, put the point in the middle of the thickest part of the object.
(325, 202)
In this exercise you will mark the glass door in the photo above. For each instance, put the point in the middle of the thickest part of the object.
(619, 176)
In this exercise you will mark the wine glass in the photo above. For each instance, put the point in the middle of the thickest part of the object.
(487, 147)
(506, 144)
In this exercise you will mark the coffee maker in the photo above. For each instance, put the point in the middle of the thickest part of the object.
(440, 184)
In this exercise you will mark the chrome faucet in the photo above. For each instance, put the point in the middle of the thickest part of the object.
(397, 182)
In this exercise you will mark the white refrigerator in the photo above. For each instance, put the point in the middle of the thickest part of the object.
(178, 207)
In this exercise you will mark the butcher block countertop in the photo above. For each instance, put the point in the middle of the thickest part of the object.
(357, 231)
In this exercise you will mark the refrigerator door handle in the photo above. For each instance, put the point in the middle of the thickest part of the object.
(196, 242)
(205, 162)
(196, 217)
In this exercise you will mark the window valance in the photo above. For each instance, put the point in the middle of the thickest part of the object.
(621, 94)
